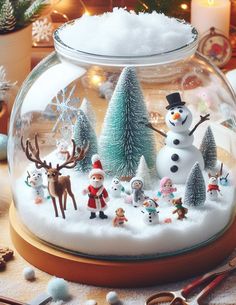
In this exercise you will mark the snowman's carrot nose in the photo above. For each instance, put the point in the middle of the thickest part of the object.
(176, 116)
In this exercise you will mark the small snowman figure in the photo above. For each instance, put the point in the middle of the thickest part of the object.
(166, 190)
(35, 181)
(213, 187)
(116, 188)
(224, 181)
(178, 156)
(151, 216)
(138, 197)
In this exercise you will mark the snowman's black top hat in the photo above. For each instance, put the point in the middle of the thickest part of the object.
(174, 100)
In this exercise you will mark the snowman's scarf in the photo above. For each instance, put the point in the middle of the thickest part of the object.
(212, 187)
(151, 210)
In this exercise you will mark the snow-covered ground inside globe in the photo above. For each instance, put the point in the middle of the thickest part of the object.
(98, 237)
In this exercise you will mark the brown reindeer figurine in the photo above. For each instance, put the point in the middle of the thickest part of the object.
(58, 186)
(180, 210)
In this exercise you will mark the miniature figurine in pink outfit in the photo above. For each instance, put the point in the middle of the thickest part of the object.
(166, 189)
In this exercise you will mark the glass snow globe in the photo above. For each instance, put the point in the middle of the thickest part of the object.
(128, 155)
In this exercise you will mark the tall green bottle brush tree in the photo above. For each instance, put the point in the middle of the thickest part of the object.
(83, 134)
(209, 150)
(123, 139)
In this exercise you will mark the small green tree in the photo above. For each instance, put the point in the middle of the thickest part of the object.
(195, 188)
(208, 150)
(123, 139)
(83, 134)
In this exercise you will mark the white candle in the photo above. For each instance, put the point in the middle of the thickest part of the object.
(211, 13)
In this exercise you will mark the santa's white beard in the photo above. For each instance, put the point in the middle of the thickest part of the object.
(96, 183)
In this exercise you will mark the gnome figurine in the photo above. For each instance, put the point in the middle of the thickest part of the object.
(98, 196)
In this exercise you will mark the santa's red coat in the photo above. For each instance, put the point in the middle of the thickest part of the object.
(97, 197)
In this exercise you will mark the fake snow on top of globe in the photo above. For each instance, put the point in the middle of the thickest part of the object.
(118, 33)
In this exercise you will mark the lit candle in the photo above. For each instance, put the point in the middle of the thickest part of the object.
(211, 13)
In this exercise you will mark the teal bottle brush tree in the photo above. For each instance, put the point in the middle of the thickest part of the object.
(84, 133)
(123, 139)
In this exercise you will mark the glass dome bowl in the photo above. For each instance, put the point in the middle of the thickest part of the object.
(70, 86)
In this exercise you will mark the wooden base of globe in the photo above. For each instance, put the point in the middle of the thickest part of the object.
(118, 273)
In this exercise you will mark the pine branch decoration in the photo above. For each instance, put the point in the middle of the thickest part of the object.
(170, 8)
(15, 14)
(7, 18)
(33, 11)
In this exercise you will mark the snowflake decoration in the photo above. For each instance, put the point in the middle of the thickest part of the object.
(63, 106)
(42, 30)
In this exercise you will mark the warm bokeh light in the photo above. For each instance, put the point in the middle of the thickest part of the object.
(143, 4)
(96, 80)
(64, 16)
(184, 6)
(87, 13)
(211, 2)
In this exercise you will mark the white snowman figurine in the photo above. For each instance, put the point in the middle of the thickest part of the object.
(117, 188)
(213, 187)
(178, 156)
(151, 216)
(35, 181)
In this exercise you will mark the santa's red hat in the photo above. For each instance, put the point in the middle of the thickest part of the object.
(97, 166)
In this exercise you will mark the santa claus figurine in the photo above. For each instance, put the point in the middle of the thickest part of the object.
(98, 196)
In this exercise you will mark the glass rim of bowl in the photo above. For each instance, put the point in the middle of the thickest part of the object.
(78, 56)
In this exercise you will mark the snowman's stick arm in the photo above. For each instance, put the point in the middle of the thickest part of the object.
(202, 119)
(149, 125)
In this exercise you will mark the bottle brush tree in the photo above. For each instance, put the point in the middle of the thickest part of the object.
(87, 108)
(144, 172)
(195, 188)
(83, 134)
(123, 138)
(208, 150)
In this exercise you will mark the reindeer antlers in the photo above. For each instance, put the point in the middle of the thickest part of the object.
(32, 153)
(219, 173)
(74, 158)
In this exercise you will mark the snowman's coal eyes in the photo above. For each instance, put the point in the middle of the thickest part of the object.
(180, 111)
(172, 112)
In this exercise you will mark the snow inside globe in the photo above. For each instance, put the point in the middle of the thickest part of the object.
(122, 142)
